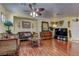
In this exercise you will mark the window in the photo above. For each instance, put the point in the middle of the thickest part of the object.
(2, 17)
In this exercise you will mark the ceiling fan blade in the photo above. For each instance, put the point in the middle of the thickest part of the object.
(41, 9)
(39, 13)
(37, 10)
(30, 5)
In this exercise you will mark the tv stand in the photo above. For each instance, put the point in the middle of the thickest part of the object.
(63, 38)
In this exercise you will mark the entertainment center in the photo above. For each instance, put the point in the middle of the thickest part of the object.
(61, 34)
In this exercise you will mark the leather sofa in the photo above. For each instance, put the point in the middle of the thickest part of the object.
(24, 35)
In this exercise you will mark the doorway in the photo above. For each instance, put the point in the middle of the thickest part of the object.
(75, 30)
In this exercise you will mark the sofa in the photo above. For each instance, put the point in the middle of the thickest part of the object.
(25, 35)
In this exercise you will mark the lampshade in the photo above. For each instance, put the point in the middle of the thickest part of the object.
(34, 14)
(54, 25)
(8, 23)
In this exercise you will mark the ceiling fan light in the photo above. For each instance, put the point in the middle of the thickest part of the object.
(31, 13)
(36, 14)
(41, 9)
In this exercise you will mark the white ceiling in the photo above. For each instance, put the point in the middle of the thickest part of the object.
(51, 9)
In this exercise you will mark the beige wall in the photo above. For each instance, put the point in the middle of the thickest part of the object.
(35, 25)
(18, 25)
(65, 24)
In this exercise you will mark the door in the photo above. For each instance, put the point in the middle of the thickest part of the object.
(75, 30)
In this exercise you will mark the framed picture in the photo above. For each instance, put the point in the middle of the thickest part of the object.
(45, 26)
(26, 24)
(61, 22)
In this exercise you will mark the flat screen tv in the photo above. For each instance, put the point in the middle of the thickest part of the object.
(61, 31)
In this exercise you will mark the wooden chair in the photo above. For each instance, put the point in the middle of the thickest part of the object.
(35, 40)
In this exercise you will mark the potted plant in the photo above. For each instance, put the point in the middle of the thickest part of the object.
(8, 24)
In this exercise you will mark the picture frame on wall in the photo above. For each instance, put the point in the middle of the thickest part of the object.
(26, 24)
(45, 26)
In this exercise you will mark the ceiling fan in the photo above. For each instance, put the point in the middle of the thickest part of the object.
(34, 9)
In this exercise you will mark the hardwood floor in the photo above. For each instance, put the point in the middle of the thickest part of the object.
(50, 48)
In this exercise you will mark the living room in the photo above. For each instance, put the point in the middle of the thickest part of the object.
(27, 28)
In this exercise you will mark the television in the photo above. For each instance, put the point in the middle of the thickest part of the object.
(60, 32)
